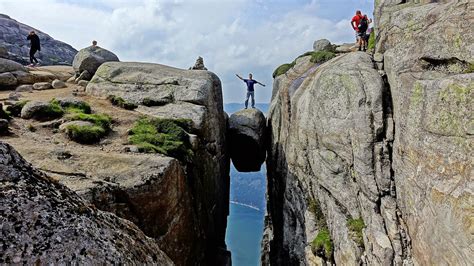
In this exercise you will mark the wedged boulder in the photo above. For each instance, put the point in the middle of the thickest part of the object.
(45, 222)
(247, 139)
(89, 59)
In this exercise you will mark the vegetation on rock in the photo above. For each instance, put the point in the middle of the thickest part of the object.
(322, 244)
(120, 102)
(318, 57)
(15, 109)
(102, 120)
(371, 44)
(165, 136)
(51, 111)
(356, 226)
(283, 69)
(86, 134)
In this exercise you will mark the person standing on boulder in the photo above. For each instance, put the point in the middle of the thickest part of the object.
(34, 47)
(250, 89)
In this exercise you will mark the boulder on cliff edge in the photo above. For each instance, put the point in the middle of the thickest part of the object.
(90, 58)
(247, 137)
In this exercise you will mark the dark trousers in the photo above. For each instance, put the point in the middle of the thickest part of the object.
(250, 94)
(32, 55)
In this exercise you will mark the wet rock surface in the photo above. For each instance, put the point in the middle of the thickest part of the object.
(247, 139)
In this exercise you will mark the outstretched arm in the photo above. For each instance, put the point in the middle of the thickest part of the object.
(239, 76)
(261, 84)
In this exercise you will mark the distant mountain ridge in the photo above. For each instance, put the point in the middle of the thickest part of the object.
(14, 46)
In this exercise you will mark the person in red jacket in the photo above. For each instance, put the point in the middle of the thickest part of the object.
(360, 24)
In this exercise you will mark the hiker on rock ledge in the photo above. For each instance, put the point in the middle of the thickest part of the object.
(34, 47)
(250, 89)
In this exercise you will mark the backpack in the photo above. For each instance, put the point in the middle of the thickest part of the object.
(363, 25)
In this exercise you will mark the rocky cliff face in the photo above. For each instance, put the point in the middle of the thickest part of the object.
(166, 92)
(374, 168)
(428, 55)
(44, 222)
(15, 47)
(181, 203)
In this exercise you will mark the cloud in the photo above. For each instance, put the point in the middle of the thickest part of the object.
(233, 36)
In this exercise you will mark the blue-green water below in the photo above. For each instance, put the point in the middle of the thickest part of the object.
(244, 234)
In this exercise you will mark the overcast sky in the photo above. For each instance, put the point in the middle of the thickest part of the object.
(233, 36)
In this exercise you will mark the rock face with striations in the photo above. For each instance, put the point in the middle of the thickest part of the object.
(44, 222)
(15, 46)
(372, 168)
(431, 77)
(166, 92)
(89, 59)
(247, 139)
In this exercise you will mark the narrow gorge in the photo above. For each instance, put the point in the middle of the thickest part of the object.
(368, 155)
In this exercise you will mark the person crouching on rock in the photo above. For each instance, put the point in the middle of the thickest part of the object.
(250, 89)
(34, 47)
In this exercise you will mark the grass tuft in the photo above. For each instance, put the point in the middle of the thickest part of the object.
(165, 136)
(120, 102)
(356, 226)
(322, 245)
(85, 134)
(371, 44)
(51, 111)
(15, 109)
(321, 56)
(101, 120)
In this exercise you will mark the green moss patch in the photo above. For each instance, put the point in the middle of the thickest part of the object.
(165, 136)
(283, 69)
(52, 111)
(356, 226)
(15, 109)
(371, 44)
(315, 209)
(82, 106)
(322, 244)
(322, 56)
(86, 134)
(120, 102)
(101, 120)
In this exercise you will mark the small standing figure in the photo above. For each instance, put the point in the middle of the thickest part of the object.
(34, 47)
(250, 89)
(94, 43)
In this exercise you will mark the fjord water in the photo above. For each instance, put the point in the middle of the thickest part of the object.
(247, 209)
